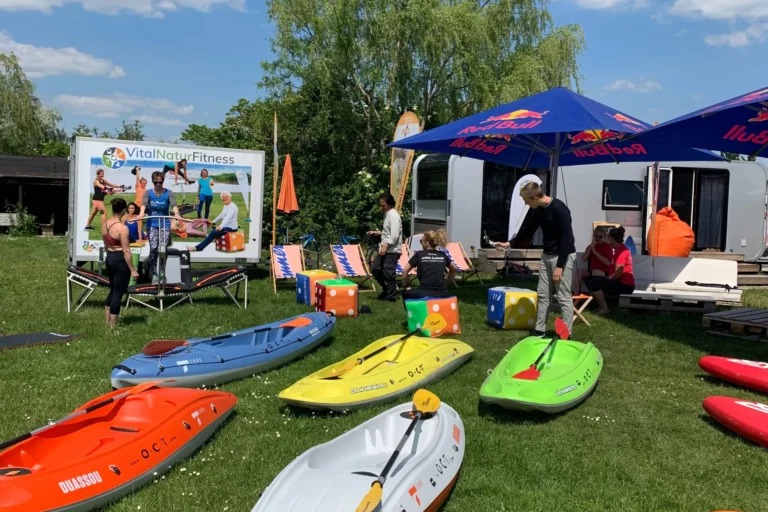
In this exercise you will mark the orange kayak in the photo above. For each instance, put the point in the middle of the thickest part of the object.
(100, 456)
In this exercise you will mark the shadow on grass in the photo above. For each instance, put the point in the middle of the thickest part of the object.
(500, 415)
(132, 319)
(709, 379)
(686, 328)
(728, 432)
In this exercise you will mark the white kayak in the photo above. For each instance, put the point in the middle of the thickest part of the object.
(335, 476)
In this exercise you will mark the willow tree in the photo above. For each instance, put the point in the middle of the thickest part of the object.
(20, 127)
(443, 59)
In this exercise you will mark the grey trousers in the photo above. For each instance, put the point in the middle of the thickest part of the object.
(561, 289)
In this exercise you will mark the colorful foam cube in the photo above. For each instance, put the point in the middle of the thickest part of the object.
(512, 308)
(231, 242)
(337, 296)
(305, 285)
(423, 312)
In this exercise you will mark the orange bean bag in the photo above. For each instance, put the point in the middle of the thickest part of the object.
(671, 236)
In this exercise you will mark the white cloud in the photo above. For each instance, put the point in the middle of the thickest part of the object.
(119, 104)
(161, 120)
(627, 85)
(149, 8)
(41, 61)
(755, 33)
(751, 10)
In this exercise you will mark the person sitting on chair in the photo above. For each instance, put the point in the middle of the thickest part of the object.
(621, 280)
(228, 219)
(599, 254)
(431, 265)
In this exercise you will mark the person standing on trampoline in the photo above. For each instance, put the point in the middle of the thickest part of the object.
(158, 200)
(101, 188)
(119, 264)
(176, 167)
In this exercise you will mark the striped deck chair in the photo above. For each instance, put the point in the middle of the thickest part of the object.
(459, 258)
(405, 255)
(286, 262)
(350, 262)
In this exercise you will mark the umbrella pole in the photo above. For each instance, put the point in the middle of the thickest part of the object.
(654, 207)
(554, 160)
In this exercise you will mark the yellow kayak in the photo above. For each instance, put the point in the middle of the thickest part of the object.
(398, 370)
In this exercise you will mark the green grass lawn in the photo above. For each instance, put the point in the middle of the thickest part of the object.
(641, 443)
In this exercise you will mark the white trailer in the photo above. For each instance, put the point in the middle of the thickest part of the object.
(239, 172)
(723, 202)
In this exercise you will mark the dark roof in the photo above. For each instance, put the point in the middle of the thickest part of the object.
(51, 167)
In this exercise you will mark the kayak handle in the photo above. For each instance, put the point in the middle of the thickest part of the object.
(124, 368)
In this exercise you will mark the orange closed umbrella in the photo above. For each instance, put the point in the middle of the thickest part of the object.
(287, 202)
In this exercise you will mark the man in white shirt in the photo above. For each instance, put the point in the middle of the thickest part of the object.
(228, 223)
(385, 265)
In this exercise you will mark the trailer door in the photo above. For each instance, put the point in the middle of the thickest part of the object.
(664, 197)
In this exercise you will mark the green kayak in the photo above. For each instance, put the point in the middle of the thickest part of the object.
(569, 373)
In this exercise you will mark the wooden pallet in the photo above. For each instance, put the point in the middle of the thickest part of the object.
(676, 303)
(749, 323)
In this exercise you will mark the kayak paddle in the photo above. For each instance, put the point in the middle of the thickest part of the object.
(433, 321)
(131, 391)
(533, 373)
(425, 403)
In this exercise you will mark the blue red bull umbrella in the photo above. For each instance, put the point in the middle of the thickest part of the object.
(738, 125)
(554, 128)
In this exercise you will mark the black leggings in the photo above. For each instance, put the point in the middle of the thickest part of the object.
(418, 293)
(119, 276)
(608, 286)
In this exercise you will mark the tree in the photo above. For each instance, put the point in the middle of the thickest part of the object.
(130, 131)
(737, 157)
(345, 70)
(20, 130)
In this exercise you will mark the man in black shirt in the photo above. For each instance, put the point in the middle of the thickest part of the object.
(558, 256)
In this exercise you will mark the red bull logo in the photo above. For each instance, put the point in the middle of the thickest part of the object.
(517, 114)
(624, 119)
(341, 258)
(282, 261)
(761, 116)
(478, 144)
(609, 149)
(510, 121)
(594, 136)
(740, 133)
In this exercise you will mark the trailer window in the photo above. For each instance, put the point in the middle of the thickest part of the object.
(623, 195)
(433, 184)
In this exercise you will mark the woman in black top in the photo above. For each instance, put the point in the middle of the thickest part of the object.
(431, 265)
(101, 188)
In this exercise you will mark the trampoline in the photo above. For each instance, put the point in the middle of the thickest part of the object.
(162, 292)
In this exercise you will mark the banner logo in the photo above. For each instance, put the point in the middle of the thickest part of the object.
(114, 158)
(282, 261)
(342, 259)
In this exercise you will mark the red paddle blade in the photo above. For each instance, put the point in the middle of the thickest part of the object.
(561, 329)
(157, 347)
(530, 373)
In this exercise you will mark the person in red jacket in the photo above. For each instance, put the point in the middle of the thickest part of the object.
(599, 254)
(621, 281)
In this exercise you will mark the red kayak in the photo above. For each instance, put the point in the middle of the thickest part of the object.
(97, 457)
(746, 418)
(742, 372)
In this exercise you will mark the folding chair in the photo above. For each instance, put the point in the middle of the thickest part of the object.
(286, 262)
(460, 259)
(580, 299)
(405, 255)
(350, 262)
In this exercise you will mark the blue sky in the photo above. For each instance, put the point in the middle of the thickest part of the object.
(174, 62)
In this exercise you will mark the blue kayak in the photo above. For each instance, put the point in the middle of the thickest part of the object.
(228, 357)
